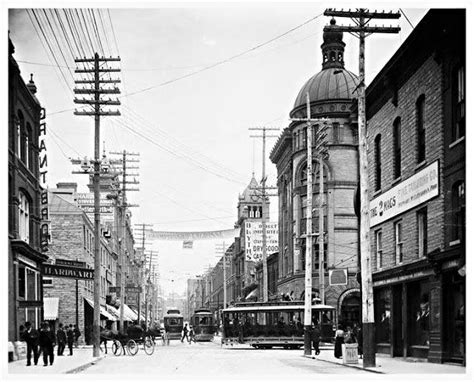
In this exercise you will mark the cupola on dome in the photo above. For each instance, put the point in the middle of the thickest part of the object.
(334, 82)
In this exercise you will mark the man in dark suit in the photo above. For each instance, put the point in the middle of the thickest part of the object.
(61, 337)
(47, 341)
(30, 336)
(70, 338)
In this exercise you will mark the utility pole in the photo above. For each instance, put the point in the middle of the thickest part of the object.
(141, 270)
(96, 102)
(309, 223)
(123, 208)
(361, 17)
(263, 197)
(147, 287)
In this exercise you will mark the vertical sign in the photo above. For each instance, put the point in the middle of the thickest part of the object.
(45, 235)
(254, 242)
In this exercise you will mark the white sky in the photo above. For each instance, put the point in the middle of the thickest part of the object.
(208, 113)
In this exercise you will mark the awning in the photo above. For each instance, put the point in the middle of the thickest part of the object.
(129, 314)
(103, 311)
(51, 307)
(142, 316)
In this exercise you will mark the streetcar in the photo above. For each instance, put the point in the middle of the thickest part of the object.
(173, 323)
(265, 325)
(203, 325)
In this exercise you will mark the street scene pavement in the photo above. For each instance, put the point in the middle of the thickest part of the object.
(209, 360)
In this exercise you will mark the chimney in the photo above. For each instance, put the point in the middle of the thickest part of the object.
(31, 85)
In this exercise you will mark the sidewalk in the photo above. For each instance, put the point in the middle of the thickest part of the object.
(82, 358)
(388, 365)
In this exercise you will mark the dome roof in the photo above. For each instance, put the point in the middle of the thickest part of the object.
(328, 84)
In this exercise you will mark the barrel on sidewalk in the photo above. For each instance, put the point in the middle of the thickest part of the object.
(349, 354)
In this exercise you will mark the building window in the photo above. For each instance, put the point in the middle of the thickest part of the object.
(459, 112)
(378, 248)
(295, 141)
(378, 164)
(24, 218)
(336, 131)
(383, 298)
(459, 210)
(29, 147)
(421, 218)
(84, 236)
(420, 128)
(397, 148)
(398, 243)
(19, 132)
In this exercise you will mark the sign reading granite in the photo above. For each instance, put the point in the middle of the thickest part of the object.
(410, 193)
(66, 271)
(253, 239)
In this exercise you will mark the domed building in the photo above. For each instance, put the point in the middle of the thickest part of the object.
(332, 93)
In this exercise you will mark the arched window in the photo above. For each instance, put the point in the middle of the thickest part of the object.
(397, 148)
(459, 106)
(458, 202)
(420, 128)
(377, 161)
(24, 217)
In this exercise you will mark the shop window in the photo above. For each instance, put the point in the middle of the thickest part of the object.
(31, 284)
(378, 162)
(420, 128)
(422, 224)
(24, 218)
(397, 148)
(459, 105)
(459, 210)
(378, 248)
(383, 302)
(21, 281)
(419, 314)
(398, 243)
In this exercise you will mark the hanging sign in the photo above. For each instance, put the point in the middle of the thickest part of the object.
(67, 271)
(254, 239)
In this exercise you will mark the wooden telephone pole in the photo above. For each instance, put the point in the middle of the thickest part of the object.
(97, 91)
(309, 222)
(263, 196)
(362, 17)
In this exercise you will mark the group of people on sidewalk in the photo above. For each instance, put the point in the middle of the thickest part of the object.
(188, 334)
(44, 341)
(349, 336)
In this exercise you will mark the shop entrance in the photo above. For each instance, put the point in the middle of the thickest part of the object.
(454, 317)
(397, 303)
(350, 310)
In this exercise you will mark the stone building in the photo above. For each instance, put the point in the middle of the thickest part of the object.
(331, 95)
(25, 255)
(416, 140)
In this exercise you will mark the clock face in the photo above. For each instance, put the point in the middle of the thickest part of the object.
(254, 197)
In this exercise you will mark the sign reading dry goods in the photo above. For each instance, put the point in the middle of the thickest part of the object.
(415, 190)
(253, 239)
(67, 271)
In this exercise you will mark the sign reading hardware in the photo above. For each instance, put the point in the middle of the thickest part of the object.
(65, 271)
(417, 189)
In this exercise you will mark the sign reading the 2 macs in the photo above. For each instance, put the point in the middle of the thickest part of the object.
(415, 190)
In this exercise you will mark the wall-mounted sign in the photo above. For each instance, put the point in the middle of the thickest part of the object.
(66, 271)
(415, 190)
(85, 201)
(254, 239)
(337, 276)
(70, 263)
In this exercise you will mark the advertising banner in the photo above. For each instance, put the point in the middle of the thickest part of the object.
(415, 190)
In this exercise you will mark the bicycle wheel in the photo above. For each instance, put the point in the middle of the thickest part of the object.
(117, 348)
(148, 346)
(132, 347)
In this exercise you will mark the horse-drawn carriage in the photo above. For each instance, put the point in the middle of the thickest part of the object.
(129, 342)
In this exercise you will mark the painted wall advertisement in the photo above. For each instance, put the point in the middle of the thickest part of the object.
(415, 190)
(253, 239)
(85, 201)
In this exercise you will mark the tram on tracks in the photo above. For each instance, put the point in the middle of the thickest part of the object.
(173, 322)
(203, 324)
(265, 325)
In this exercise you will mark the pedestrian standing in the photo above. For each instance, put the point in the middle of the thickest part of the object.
(30, 336)
(77, 334)
(47, 341)
(339, 341)
(192, 337)
(61, 338)
(70, 338)
(185, 333)
(358, 333)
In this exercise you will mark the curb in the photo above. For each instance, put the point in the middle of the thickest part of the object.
(78, 369)
(344, 364)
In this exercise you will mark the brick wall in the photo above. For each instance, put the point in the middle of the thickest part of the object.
(426, 80)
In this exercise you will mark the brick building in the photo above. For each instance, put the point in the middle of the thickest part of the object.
(416, 127)
(331, 95)
(25, 256)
